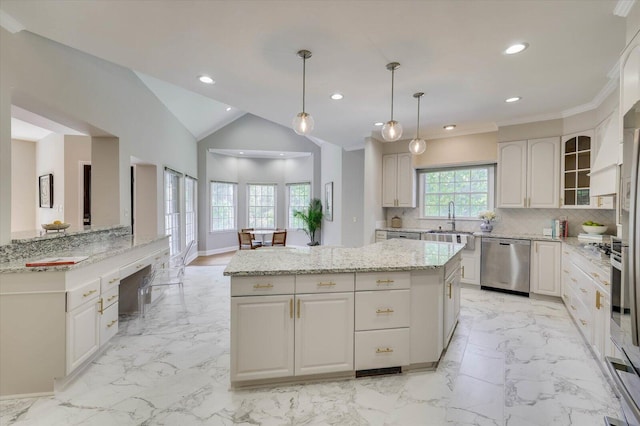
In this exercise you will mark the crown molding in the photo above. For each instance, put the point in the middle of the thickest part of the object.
(9, 23)
(623, 7)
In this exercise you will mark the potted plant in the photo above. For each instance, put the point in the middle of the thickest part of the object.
(312, 220)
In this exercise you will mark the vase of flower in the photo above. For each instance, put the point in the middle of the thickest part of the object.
(486, 226)
(487, 218)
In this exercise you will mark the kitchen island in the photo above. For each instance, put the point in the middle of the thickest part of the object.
(324, 312)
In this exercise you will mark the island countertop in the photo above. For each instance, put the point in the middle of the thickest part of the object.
(389, 255)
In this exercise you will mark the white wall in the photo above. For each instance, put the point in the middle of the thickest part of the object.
(146, 199)
(50, 159)
(332, 172)
(372, 208)
(24, 186)
(94, 96)
(352, 198)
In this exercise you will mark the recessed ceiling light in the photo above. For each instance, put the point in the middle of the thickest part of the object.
(241, 152)
(514, 99)
(516, 48)
(228, 109)
(379, 123)
(206, 79)
(450, 127)
(337, 96)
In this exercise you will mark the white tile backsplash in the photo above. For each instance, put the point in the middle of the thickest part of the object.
(512, 221)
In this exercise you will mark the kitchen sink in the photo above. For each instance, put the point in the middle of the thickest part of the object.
(466, 238)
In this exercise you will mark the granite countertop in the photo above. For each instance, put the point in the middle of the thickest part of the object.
(389, 255)
(40, 234)
(96, 251)
(593, 255)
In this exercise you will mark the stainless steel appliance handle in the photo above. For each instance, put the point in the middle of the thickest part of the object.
(634, 239)
(614, 365)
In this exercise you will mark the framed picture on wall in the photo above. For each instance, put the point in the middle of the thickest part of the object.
(46, 191)
(328, 201)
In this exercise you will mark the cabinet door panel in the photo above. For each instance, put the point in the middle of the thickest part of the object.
(389, 180)
(545, 271)
(83, 335)
(512, 168)
(324, 333)
(406, 181)
(543, 183)
(382, 309)
(261, 337)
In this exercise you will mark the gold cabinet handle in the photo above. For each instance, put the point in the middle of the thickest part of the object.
(115, 296)
(329, 284)
(449, 290)
(574, 280)
(463, 272)
(573, 307)
(290, 308)
(298, 308)
(101, 308)
(595, 275)
(606, 283)
(89, 293)
(384, 282)
(112, 323)
(583, 322)
(383, 350)
(139, 266)
(583, 290)
(598, 301)
(565, 296)
(384, 311)
(565, 271)
(113, 280)
(262, 286)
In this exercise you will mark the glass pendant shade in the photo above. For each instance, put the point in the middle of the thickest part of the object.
(391, 131)
(417, 146)
(302, 124)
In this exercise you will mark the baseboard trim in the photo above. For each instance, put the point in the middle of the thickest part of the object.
(217, 251)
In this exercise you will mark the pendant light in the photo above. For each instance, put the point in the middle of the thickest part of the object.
(417, 146)
(303, 122)
(392, 130)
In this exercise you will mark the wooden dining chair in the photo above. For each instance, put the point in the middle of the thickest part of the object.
(245, 242)
(279, 238)
(253, 236)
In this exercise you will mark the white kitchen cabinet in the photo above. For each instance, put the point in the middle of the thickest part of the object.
(262, 337)
(82, 323)
(604, 168)
(324, 333)
(528, 173)
(381, 236)
(470, 265)
(546, 258)
(398, 181)
(601, 323)
(577, 159)
(629, 72)
(451, 304)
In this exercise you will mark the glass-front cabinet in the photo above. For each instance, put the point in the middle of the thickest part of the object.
(576, 166)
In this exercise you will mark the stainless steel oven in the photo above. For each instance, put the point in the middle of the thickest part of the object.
(624, 371)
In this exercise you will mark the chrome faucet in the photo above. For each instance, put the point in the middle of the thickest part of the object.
(452, 215)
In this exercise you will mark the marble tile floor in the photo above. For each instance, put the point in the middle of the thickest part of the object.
(512, 361)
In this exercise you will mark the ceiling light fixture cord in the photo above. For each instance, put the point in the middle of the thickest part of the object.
(418, 128)
(393, 72)
(304, 75)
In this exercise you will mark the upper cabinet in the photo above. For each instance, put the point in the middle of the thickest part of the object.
(630, 75)
(605, 150)
(576, 168)
(398, 181)
(529, 173)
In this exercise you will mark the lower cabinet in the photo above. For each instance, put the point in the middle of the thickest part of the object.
(83, 333)
(451, 303)
(546, 258)
(323, 333)
(601, 333)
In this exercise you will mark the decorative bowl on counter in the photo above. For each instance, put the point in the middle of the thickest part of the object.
(595, 229)
(55, 226)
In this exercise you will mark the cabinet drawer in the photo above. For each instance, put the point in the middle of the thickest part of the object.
(82, 294)
(382, 280)
(383, 309)
(160, 257)
(110, 297)
(599, 275)
(324, 283)
(382, 348)
(381, 235)
(109, 280)
(263, 285)
(108, 323)
(134, 267)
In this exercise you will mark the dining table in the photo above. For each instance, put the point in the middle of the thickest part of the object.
(262, 233)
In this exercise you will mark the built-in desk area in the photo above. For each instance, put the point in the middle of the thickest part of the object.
(56, 319)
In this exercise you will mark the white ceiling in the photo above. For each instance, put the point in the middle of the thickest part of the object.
(451, 50)
(28, 126)
(253, 153)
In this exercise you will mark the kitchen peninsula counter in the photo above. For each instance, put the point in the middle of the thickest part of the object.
(309, 313)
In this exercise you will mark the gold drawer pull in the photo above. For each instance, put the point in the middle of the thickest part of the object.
(573, 307)
(101, 308)
(139, 266)
(565, 296)
(113, 280)
(383, 350)
(115, 296)
(260, 286)
(565, 271)
(384, 311)
(449, 290)
(583, 290)
(89, 293)
(583, 322)
(595, 275)
(112, 323)
(598, 302)
(329, 284)
(158, 257)
(290, 308)
(574, 280)
(298, 308)
(384, 282)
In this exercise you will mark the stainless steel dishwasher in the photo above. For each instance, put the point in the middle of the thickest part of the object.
(504, 264)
